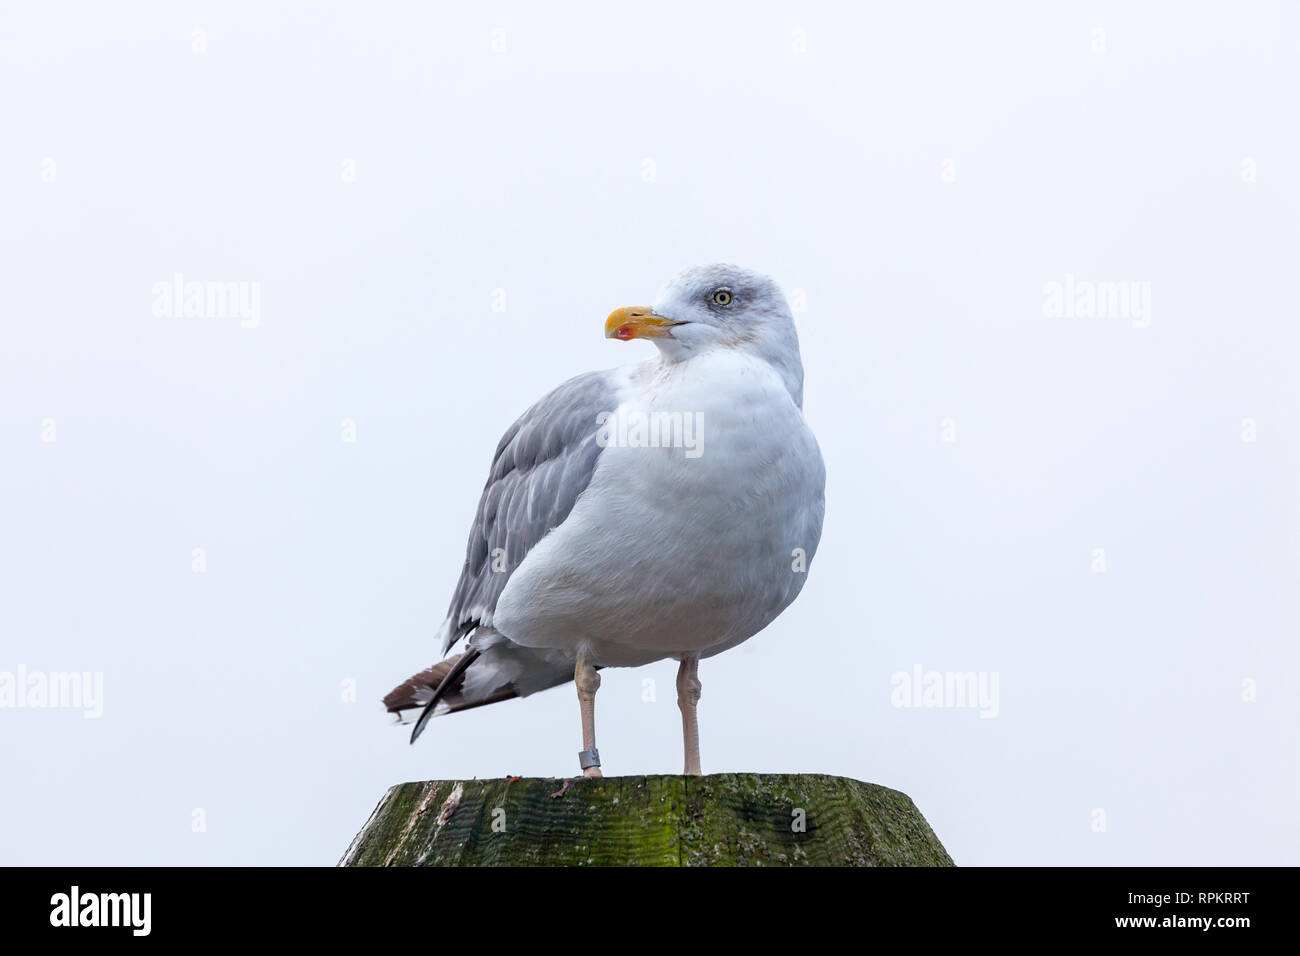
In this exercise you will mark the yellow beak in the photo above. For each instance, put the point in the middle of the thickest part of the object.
(638, 322)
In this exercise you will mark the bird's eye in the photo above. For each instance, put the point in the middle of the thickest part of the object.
(722, 297)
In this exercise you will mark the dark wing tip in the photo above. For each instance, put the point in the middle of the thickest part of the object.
(428, 688)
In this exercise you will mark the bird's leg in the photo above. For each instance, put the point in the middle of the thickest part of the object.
(688, 695)
(585, 676)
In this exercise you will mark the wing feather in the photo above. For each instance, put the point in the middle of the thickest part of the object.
(543, 462)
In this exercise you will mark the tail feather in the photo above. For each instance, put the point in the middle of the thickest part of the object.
(501, 671)
(440, 689)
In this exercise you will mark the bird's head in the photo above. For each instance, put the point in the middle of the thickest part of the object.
(707, 305)
(717, 306)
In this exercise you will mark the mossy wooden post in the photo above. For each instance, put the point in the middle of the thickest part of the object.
(724, 819)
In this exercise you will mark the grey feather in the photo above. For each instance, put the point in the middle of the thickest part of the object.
(544, 461)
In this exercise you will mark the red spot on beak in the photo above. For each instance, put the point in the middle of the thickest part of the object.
(625, 332)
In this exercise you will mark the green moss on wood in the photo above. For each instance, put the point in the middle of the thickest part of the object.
(726, 819)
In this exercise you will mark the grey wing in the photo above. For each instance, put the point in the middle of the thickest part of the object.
(544, 461)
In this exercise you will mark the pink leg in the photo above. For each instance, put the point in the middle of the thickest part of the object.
(688, 695)
(588, 680)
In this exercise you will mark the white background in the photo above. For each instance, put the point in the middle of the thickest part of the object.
(1114, 156)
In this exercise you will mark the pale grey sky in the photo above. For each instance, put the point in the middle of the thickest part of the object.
(387, 174)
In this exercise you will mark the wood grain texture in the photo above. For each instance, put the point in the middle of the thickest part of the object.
(726, 819)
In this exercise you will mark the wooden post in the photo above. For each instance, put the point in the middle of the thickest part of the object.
(724, 819)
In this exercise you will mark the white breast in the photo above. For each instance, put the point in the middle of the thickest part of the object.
(680, 550)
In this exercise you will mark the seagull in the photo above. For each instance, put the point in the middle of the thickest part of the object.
(664, 510)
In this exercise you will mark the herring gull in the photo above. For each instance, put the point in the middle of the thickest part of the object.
(668, 509)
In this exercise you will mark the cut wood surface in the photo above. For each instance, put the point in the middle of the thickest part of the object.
(725, 819)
